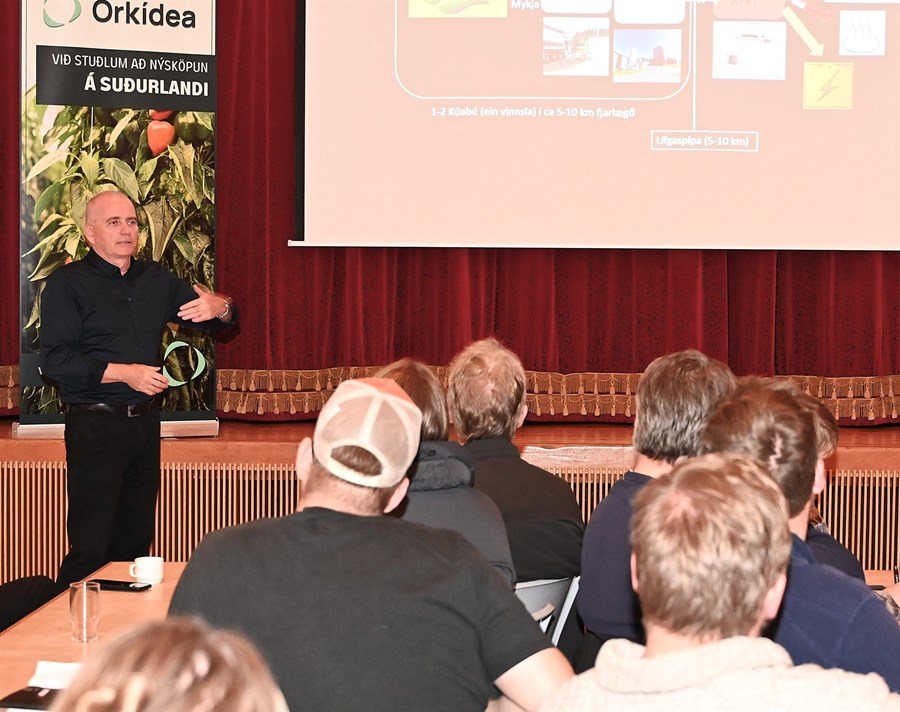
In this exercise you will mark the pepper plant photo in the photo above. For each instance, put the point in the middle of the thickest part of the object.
(165, 162)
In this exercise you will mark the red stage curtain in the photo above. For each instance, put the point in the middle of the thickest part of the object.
(794, 313)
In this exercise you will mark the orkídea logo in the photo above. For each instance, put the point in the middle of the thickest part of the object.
(138, 13)
(60, 10)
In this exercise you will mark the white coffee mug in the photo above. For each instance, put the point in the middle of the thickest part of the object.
(147, 569)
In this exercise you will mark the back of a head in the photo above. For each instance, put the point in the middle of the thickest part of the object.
(175, 665)
(675, 397)
(366, 437)
(824, 423)
(766, 420)
(420, 383)
(486, 391)
(709, 539)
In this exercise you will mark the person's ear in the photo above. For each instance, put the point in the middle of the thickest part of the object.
(304, 459)
(772, 601)
(89, 233)
(520, 417)
(819, 482)
(398, 495)
(634, 576)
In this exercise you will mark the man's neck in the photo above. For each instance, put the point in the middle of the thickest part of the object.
(799, 523)
(661, 641)
(324, 501)
(122, 263)
(652, 468)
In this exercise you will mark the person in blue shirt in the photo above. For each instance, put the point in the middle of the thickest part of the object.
(675, 396)
(827, 617)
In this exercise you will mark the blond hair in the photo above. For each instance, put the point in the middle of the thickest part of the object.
(420, 384)
(486, 391)
(709, 539)
(767, 420)
(174, 665)
(675, 397)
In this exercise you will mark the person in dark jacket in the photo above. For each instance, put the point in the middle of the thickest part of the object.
(486, 397)
(440, 491)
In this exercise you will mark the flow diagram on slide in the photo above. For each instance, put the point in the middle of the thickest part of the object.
(596, 58)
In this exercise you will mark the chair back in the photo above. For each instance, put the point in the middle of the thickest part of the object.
(545, 599)
(567, 608)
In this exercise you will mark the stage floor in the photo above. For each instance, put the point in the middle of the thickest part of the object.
(876, 447)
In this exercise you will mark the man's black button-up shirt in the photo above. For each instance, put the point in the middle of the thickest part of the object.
(93, 315)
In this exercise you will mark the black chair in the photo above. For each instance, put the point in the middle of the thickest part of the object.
(20, 597)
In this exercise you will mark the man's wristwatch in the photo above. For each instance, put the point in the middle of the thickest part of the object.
(227, 311)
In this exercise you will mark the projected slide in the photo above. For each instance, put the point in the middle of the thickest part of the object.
(606, 123)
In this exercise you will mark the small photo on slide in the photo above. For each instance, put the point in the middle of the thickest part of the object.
(576, 46)
(647, 56)
(862, 33)
(649, 12)
(749, 50)
(743, 10)
(576, 7)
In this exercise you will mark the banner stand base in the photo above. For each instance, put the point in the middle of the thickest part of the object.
(168, 429)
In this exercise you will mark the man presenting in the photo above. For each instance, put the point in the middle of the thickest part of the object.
(101, 322)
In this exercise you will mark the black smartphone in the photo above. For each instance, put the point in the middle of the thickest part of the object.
(111, 585)
(29, 698)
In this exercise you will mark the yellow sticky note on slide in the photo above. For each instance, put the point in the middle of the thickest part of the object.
(828, 85)
(457, 8)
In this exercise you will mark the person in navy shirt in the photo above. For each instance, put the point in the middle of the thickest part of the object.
(827, 617)
(675, 396)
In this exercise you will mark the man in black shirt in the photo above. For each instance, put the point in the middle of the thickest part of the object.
(486, 397)
(101, 322)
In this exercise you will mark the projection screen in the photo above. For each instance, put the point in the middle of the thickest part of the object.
(768, 124)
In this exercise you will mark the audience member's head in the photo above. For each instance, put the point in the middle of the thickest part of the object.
(486, 391)
(825, 425)
(174, 665)
(675, 396)
(711, 546)
(423, 387)
(767, 420)
(366, 438)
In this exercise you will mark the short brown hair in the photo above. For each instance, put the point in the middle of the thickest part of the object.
(825, 425)
(420, 383)
(709, 539)
(766, 420)
(364, 500)
(675, 396)
(178, 665)
(486, 391)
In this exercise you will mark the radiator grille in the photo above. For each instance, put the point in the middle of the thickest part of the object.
(195, 499)
(860, 506)
(33, 505)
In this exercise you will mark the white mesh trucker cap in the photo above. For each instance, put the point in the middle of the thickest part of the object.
(374, 414)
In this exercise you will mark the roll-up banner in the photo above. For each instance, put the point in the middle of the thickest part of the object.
(119, 94)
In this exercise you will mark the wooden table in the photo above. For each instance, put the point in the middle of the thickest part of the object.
(45, 633)
(880, 578)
